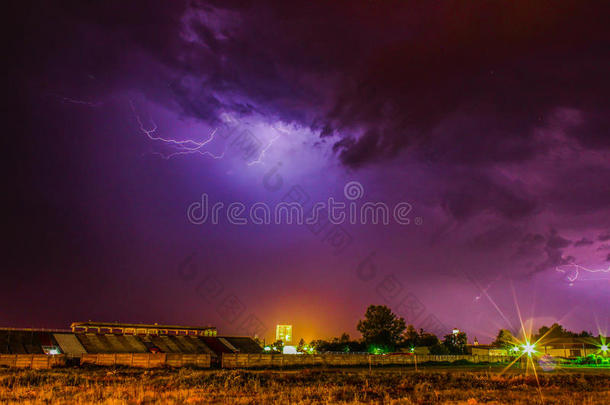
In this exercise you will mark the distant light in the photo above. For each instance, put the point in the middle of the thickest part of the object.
(604, 348)
(53, 351)
(267, 349)
(376, 350)
(456, 331)
(289, 350)
(516, 349)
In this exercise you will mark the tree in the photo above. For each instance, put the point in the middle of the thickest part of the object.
(438, 349)
(428, 339)
(319, 345)
(553, 332)
(541, 332)
(342, 343)
(556, 331)
(456, 343)
(505, 339)
(410, 338)
(338, 344)
(381, 327)
(301, 346)
(277, 346)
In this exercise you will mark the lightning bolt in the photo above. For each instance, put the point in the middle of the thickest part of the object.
(262, 154)
(576, 271)
(65, 99)
(280, 132)
(185, 147)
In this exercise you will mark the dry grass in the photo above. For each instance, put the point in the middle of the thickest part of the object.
(346, 386)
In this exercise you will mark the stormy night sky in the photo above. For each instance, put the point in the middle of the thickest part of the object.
(489, 118)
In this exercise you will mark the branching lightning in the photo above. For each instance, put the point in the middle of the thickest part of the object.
(572, 271)
(185, 147)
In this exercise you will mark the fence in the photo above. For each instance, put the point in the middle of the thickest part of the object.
(32, 360)
(237, 360)
(148, 360)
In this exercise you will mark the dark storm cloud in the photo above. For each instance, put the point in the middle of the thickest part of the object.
(604, 237)
(578, 189)
(530, 246)
(583, 242)
(465, 85)
(497, 238)
(503, 68)
(555, 241)
(542, 252)
(470, 194)
(389, 75)
(554, 246)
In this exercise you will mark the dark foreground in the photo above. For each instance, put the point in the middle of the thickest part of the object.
(461, 385)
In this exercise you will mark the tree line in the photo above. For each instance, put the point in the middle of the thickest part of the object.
(384, 332)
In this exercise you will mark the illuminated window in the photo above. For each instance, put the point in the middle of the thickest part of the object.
(283, 333)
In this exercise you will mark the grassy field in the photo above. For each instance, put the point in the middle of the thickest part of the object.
(462, 385)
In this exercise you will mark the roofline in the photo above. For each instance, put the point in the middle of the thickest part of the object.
(37, 330)
(139, 325)
(230, 337)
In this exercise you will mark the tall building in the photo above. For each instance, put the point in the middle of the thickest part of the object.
(283, 333)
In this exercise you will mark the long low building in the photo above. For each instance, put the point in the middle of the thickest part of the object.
(571, 347)
(108, 338)
(565, 347)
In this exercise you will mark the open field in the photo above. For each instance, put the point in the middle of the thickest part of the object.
(449, 384)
